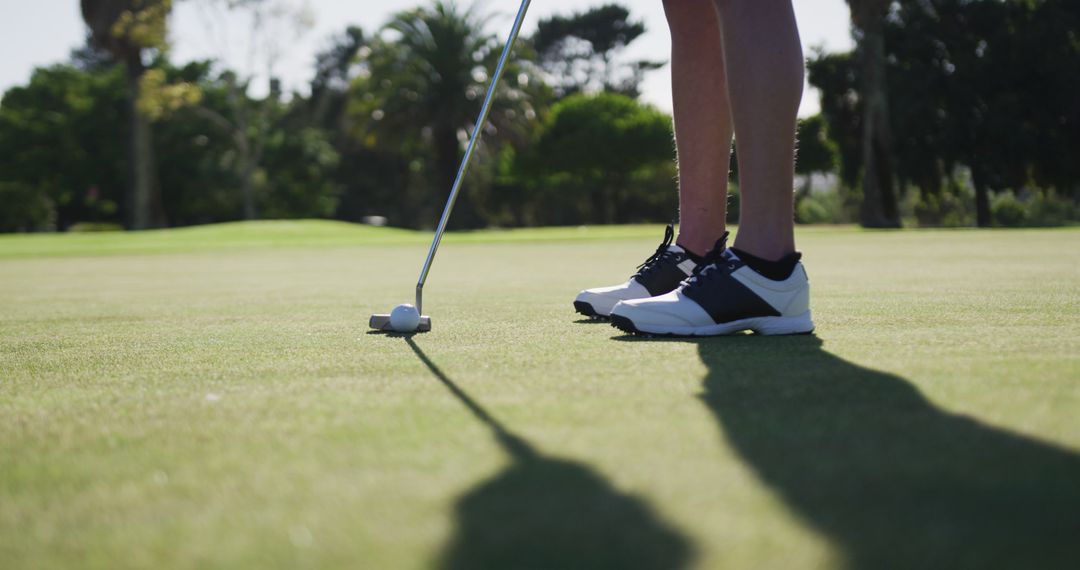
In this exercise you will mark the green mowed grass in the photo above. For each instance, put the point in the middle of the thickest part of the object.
(211, 398)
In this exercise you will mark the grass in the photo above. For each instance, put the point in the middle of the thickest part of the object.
(210, 398)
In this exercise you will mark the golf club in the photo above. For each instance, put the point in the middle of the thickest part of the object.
(409, 318)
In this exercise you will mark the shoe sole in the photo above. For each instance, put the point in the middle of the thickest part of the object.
(765, 326)
(587, 309)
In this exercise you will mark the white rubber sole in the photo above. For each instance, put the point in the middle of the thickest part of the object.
(767, 326)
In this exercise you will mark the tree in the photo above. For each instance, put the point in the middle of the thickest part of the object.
(330, 86)
(836, 75)
(62, 159)
(419, 90)
(130, 30)
(248, 120)
(594, 151)
(879, 206)
(579, 53)
(983, 84)
(817, 153)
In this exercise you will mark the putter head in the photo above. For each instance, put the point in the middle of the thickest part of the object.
(382, 323)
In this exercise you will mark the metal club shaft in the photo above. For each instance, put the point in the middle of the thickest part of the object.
(484, 110)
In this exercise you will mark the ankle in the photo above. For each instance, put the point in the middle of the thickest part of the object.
(697, 244)
(777, 270)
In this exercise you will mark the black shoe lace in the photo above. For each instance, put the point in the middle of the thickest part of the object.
(712, 264)
(650, 264)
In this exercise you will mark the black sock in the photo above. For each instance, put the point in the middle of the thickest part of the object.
(693, 256)
(775, 270)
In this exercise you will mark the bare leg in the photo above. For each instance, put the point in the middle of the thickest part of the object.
(702, 121)
(765, 67)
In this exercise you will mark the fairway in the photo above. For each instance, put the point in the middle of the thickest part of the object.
(210, 397)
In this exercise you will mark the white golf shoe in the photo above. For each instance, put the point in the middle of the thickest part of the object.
(724, 296)
(660, 273)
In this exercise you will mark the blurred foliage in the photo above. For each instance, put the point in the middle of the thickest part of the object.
(419, 89)
(140, 24)
(579, 53)
(133, 32)
(1033, 209)
(821, 208)
(983, 124)
(125, 28)
(24, 208)
(62, 137)
(817, 152)
(597, 158)
(158, 98)
(982, 89)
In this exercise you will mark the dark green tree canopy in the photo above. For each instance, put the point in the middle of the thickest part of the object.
(988, 85)
(421, 83)
(579, 53)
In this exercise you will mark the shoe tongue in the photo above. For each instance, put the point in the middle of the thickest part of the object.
(675, 249)
(729, 255)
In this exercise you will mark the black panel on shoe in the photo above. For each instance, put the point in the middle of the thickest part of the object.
(724, 297)
(660, 273)
(664, 276)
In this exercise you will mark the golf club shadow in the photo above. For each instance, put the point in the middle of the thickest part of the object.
(892, 480)
(544, 512)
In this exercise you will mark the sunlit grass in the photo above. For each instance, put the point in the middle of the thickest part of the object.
(210, 397)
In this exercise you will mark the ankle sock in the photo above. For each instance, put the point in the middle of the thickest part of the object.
(693, 256)
(775, 270)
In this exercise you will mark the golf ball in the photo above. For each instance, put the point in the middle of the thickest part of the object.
(404, 318)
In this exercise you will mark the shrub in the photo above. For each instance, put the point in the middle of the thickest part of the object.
(25, 208)
(85, 227)
(1033, 208)
(1007, 211)
(822, 207)
(1050, 209)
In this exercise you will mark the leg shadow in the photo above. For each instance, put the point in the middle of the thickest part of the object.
(546, 513)
(892, 480)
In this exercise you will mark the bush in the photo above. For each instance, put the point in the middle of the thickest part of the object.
(1007, 211)
(953, 208)
(25, 208)
(1048, 209)
(87, 227)
(603, 158)
(1040, 208)
(822, 207)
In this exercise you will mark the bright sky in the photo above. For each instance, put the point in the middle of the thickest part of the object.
(44, 32)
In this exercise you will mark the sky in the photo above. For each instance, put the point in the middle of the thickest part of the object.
(44, 32)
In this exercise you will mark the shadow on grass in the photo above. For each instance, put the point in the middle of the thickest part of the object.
(892, 480)
(592, 321)
(544, 512)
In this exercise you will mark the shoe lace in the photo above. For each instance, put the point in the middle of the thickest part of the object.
(661, 253)
(713, 264)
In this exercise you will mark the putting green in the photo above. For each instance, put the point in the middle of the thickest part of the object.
(210, 397)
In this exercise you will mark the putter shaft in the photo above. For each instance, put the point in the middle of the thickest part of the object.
(463, 168)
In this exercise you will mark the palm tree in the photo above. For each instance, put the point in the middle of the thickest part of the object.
(126, 28)
(879, 207)
(422, 84)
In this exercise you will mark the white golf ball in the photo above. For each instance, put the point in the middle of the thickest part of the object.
(404, 318)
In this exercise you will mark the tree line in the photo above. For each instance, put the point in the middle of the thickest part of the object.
(957, 105)
(947, 112)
